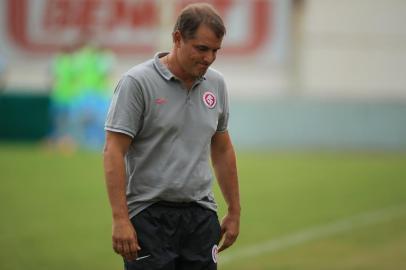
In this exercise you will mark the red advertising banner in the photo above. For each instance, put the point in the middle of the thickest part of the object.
(124, 26)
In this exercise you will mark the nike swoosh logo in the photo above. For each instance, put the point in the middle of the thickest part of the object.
(143, 257)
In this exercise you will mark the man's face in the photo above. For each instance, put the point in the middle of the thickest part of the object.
(195, 55)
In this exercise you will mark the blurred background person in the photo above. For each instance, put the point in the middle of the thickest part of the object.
(80, 96)
(3, 70)
(93, 65)
(64, 91)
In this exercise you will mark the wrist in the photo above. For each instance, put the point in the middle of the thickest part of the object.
(234, 210)
(121, 217)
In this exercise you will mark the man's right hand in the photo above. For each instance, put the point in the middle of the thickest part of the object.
(125, 240)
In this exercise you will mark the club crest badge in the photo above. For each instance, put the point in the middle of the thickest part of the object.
(214, 253)
(209, 99)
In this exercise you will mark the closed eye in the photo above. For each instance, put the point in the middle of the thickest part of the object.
(202, 48)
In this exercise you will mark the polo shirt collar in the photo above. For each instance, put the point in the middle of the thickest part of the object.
(164, 71)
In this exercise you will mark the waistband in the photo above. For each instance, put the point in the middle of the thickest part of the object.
(177, 204)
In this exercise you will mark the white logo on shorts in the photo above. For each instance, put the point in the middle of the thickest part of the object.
(214, 253)
(209, 99)
(143, 257)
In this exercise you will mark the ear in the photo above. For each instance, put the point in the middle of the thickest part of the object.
(177, 38)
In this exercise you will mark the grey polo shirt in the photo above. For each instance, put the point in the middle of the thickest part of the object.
(171, 128)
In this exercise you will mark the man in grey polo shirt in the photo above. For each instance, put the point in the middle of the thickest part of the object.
(167, 116)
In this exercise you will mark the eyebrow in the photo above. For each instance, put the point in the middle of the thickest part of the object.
(207, 47)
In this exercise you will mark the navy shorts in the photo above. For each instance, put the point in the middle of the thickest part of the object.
(176, 236)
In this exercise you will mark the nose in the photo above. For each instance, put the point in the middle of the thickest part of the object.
(209, 57)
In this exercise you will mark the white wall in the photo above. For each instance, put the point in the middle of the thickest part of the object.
(353, 48)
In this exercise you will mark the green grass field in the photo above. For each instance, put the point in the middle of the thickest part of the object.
(55, 212)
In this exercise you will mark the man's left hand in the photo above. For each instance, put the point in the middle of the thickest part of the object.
(230, 228)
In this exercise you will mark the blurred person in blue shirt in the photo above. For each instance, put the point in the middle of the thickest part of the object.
(3, 70)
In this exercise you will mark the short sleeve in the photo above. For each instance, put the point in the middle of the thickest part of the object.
(126, 108)
(224, 115)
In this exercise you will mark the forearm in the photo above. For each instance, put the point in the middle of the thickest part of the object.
(225, 168)
(114, 170)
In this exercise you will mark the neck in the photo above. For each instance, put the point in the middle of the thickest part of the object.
(173, 65)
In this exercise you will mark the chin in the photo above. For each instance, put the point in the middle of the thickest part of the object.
(198, 74)
(201, 73)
